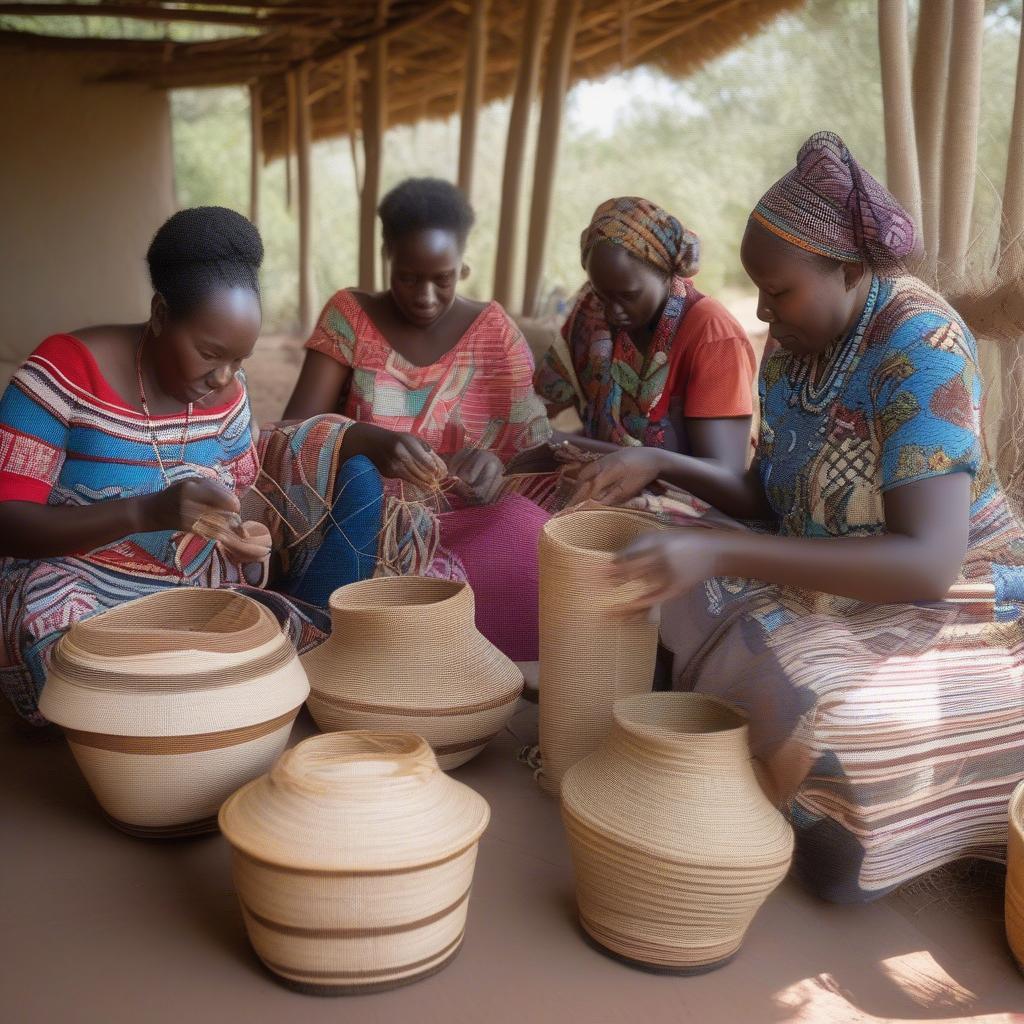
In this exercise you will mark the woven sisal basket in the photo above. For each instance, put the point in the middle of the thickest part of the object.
(674, 845)
(588, 657)
(404, 653)
(171, 702)
(353, 860)
(1015, 876)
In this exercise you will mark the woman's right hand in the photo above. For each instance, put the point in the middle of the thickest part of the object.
(398, 456)
(179, 506)
(619, 476)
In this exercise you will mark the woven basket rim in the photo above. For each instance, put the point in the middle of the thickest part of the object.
(565, 529)
(1016, 809)
(379, 594)
(627, 712)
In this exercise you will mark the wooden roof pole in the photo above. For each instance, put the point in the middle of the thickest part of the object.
(901, 168)
(1011, 236)
(374, 107)
(931, 62)
(556, 83)
(515, 147)
(255, 149)
(473, 92)
(307, 289)
(960, 139)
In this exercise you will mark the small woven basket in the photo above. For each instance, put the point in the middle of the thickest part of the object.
(589, 658)
(674, 845)
(353, 860)
(171, 702)
(404, 654)
(1015, 877)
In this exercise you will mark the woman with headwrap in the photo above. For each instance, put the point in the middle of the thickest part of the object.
(654, 362)
(886, 713)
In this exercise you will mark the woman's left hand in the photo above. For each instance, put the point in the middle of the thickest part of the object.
(480, 470)
(668, 563)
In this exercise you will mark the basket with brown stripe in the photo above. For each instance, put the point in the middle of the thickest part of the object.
(353, 860)
(1015, 877)
(404, 654)
(171, 702)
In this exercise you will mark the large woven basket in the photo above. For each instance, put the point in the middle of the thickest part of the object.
(589, 658)
(674, 845)
(353, 861)
(171, 702)
(1015, 876)
(404, 653)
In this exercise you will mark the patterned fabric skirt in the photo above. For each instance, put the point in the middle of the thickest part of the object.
(895, 733)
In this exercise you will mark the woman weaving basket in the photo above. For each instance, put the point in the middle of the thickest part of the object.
(888, 718)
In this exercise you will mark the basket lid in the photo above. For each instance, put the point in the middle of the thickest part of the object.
(365, 802)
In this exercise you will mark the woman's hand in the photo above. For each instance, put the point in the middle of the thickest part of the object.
(619, 476)
(668, 563)
(396, 456)
(480, 471)
(179, 506)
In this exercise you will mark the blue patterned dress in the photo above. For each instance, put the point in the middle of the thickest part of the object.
(902, 726)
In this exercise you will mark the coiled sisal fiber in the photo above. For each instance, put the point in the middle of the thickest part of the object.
(353, 860)
(674, 846)
(404, 654)
(171, 702)
(589, 657)
(1015, 877)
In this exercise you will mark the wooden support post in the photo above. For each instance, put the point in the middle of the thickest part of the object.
(556, 82)
(515, 147)
(901, 168)
(374, 99)
(307, 289)
(289, 135)
(1011, 235)
(931, 62)
(960, 139)
(472, 93)
(255, 148)
(351, 126)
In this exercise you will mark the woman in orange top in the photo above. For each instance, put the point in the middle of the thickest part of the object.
(654, 362)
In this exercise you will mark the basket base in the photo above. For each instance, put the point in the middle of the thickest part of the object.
(308, 988)
(188, 830)
(649, 968)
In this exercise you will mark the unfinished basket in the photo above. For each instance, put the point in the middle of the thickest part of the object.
(674, 845)
(588, 657)
(171, 702)
(1015, 877)
(404, 653)
(353, 860)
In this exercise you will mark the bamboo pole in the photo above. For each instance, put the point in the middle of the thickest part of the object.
(931, 62)
(515, 147)
(255, 149)
(307, 289)
(901, 166)
(1011, 235)
(473, 91)
(960, 139)
(374, 100)
(556, 82)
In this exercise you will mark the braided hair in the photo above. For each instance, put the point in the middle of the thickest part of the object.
(419, 204)
(202, 250)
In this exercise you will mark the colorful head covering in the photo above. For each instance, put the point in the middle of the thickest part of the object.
(645, 231)
(829, 205)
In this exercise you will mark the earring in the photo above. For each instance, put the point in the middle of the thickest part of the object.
(464, 272)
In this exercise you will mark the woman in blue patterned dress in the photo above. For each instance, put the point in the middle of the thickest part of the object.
(888, 717)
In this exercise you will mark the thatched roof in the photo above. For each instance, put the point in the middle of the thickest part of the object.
(426, 46)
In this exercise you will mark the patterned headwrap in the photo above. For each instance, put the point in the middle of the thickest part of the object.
(645, 231)
(828, 204)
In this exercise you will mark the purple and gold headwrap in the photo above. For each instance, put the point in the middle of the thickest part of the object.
(646, 232)
(829, 205)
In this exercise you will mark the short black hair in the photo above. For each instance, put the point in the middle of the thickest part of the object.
(420, 204)
(201, 250)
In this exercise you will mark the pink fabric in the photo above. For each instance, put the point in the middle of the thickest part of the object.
(498, 547)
